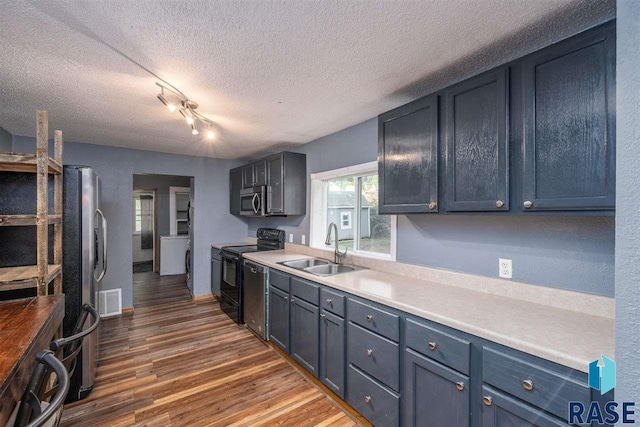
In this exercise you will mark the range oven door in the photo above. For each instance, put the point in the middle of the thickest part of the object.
(253, 201)
(230, 283)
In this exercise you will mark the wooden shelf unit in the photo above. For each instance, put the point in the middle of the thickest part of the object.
(41, 274)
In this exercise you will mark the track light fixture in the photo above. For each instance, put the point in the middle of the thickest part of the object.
(186, 108)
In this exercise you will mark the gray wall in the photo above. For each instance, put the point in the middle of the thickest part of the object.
(162, 184)
(574, 253)
(628, 220)
(116, 167)
(5, 140)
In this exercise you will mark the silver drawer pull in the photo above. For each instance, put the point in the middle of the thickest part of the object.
(528, 204)
(432, 346)
(367, 399)
(329, 301)
(527, 384)
(292, 301)
(432, 205)
(460, 385)
(322, 316)
(369, 352)
(499, 203)
(369, 317)
(487, 400)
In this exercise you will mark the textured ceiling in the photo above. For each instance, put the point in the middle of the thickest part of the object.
(272, 74)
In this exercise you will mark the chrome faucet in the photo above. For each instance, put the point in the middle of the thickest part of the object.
(337, 255)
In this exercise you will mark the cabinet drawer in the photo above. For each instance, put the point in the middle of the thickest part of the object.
(377, 404)
(538, 385)
(307, 291)
(437, 345)
(279, 280)
(381, 322)
(375, 355)
(332, 302)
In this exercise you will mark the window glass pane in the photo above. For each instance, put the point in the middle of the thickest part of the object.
(341, 198)
(138, 216)
(375, 230)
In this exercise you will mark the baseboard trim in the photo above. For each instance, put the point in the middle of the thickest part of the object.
(204, 297)
(127, 311)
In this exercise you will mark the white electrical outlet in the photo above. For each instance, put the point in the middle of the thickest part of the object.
(303, 239)
(290, 237)
(505, 268)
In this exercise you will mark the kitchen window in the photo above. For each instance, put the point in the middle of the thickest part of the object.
(348, 197)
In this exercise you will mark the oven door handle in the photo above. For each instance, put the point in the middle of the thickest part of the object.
(229, 257)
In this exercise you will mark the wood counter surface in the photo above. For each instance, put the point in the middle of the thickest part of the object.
(26, 327)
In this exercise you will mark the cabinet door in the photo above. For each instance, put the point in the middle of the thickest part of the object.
(569, 126)
(502, 410)
(332, 352)
(304, 334)
(477, 148)
(275, 178)
(248, 177)
(260, 173)
(235, 186)
(408, 158)
(279, 318)
(434, 394)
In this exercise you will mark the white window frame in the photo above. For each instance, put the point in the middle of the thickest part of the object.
(318, 220)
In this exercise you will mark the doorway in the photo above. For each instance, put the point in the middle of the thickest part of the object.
(162, 233)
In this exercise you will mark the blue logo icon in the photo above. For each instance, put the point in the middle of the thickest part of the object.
(602, 374)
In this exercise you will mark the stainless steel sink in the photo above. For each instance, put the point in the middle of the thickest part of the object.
(330, 269)
(301, 264)
(319, 267)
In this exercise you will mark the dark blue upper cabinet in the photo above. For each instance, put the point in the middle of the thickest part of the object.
(477, 148)
(408, 158)
(569, 124)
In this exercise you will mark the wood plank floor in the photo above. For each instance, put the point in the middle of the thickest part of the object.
(176, 362)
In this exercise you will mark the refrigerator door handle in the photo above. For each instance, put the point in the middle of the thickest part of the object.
(104, 245)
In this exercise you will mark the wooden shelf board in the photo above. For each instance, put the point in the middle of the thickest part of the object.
(25, 276)
(25, 162)
(25, 220)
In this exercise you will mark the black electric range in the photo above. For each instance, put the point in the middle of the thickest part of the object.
(231, 290)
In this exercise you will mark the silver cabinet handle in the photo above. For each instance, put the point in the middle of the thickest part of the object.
(527, 385)
(487, 400)
(322, 315)
(292, 301)
(433, 205)
(369, 352)
(329, 301)
(369, 317)
(460, 385)
(499, 203)
(432, 346)
(367, 399)
(527, 204)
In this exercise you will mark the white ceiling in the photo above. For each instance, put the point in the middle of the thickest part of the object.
(271, 73)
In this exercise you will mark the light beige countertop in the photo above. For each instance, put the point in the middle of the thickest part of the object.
(566, 337)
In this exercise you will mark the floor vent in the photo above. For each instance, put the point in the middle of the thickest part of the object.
(110, 302)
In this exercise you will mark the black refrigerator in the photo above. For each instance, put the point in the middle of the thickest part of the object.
(84, 252)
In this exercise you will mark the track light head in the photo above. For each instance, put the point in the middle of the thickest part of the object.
(189, 120)
(194, 129)
(210, 134)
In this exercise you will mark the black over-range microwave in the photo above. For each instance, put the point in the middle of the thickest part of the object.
(253, 201)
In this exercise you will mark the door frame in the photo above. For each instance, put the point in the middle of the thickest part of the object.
(156, 240)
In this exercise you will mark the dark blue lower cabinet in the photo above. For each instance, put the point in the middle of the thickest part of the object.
(304, 334)
(374, 401)
(279, 318)
(434, 395)
(332, 352)
(502, 410)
